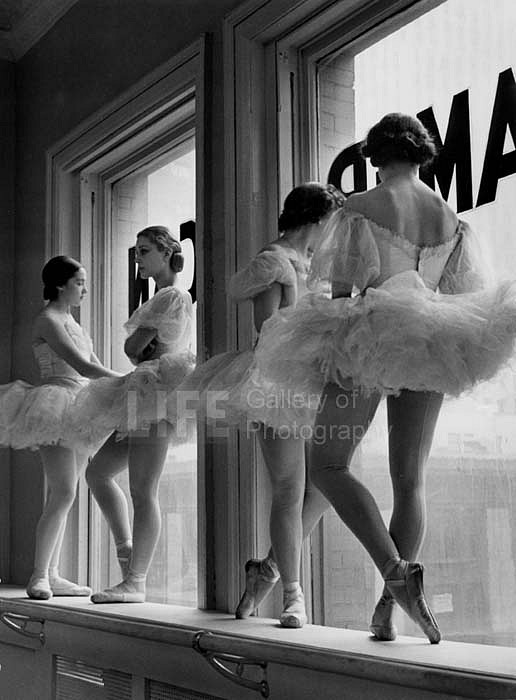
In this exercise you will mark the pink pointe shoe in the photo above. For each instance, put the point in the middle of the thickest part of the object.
(261, 576)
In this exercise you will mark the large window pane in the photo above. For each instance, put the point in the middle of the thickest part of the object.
(453, 66)
(162, 193)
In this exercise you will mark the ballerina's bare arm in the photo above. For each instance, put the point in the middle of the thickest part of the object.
(52, 331)
(265, 304)
(137, 344)
(268, 302)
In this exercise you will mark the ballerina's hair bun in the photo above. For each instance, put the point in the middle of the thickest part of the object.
(398, 137)
(307, 204)
(56, 273)
(164, 240)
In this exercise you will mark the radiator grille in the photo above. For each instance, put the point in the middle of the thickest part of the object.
(75, 680)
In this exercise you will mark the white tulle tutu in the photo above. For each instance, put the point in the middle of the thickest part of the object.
(227, 391)
(213, 388)
(400, 335)
(224, 389)
(132, 403)
(31, 416)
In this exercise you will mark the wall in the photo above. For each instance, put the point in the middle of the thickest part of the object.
(95, 52)
(7, 165)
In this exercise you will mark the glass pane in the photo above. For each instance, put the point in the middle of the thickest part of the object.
(454, 67)
(163, 193)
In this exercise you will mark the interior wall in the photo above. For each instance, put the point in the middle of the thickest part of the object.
(7, 168)
(95, 52)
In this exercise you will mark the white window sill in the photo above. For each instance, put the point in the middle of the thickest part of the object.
(469, 670)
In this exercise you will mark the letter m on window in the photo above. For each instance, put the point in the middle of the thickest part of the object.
(453, 154)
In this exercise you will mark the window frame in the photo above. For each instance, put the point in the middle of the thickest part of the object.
(276, 43)
(142, 115)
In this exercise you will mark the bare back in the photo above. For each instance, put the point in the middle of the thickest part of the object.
(408, 208)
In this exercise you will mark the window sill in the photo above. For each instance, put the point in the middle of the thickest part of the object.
(450, 668)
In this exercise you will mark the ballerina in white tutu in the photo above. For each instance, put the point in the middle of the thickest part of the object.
(412, 316)
(275, 278)
(35, 417)
(158, 342)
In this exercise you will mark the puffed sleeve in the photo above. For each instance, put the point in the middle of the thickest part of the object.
(167, 311)
(346, 254)
(468, 268)
(267, 267)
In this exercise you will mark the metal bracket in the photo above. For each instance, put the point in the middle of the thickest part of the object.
(19, 623)
(216, 660)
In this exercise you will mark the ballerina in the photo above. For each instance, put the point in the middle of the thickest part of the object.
(387, 331)
(135, 413)
(275, 278)
(36, 417)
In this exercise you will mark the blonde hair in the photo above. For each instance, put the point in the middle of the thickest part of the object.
(165, 241)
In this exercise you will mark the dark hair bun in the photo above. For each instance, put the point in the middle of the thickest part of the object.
(398, 137)
(56, 273)
(308, 204)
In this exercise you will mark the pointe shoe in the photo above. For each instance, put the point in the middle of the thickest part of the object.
(123, 592)
(260, 579)
(294, 613)
(38, 588)
(381, 625)
(407, 590)
(62, 587)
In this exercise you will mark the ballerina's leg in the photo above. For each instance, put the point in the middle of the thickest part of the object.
(61, 475)
(412, 417)
(344, 419)
(285, 460)
(263, 574)
(147, 456)
(61, 586)
(107, 463)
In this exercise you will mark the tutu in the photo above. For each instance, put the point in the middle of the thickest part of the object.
(398, 333)
(132, 403)
(226, 389)
(213, 388)
(30, 415)
(401, 335)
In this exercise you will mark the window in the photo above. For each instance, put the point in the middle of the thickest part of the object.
(162, 192)
(134, 191)
(453, 64)
(138, 161)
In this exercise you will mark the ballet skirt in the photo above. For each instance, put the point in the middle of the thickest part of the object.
(424, 318)
(132, 403)
(223, 388)
(31, 416)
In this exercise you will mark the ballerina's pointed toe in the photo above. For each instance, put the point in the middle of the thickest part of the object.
(260, 579)
(381, 625)
(407, 590)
